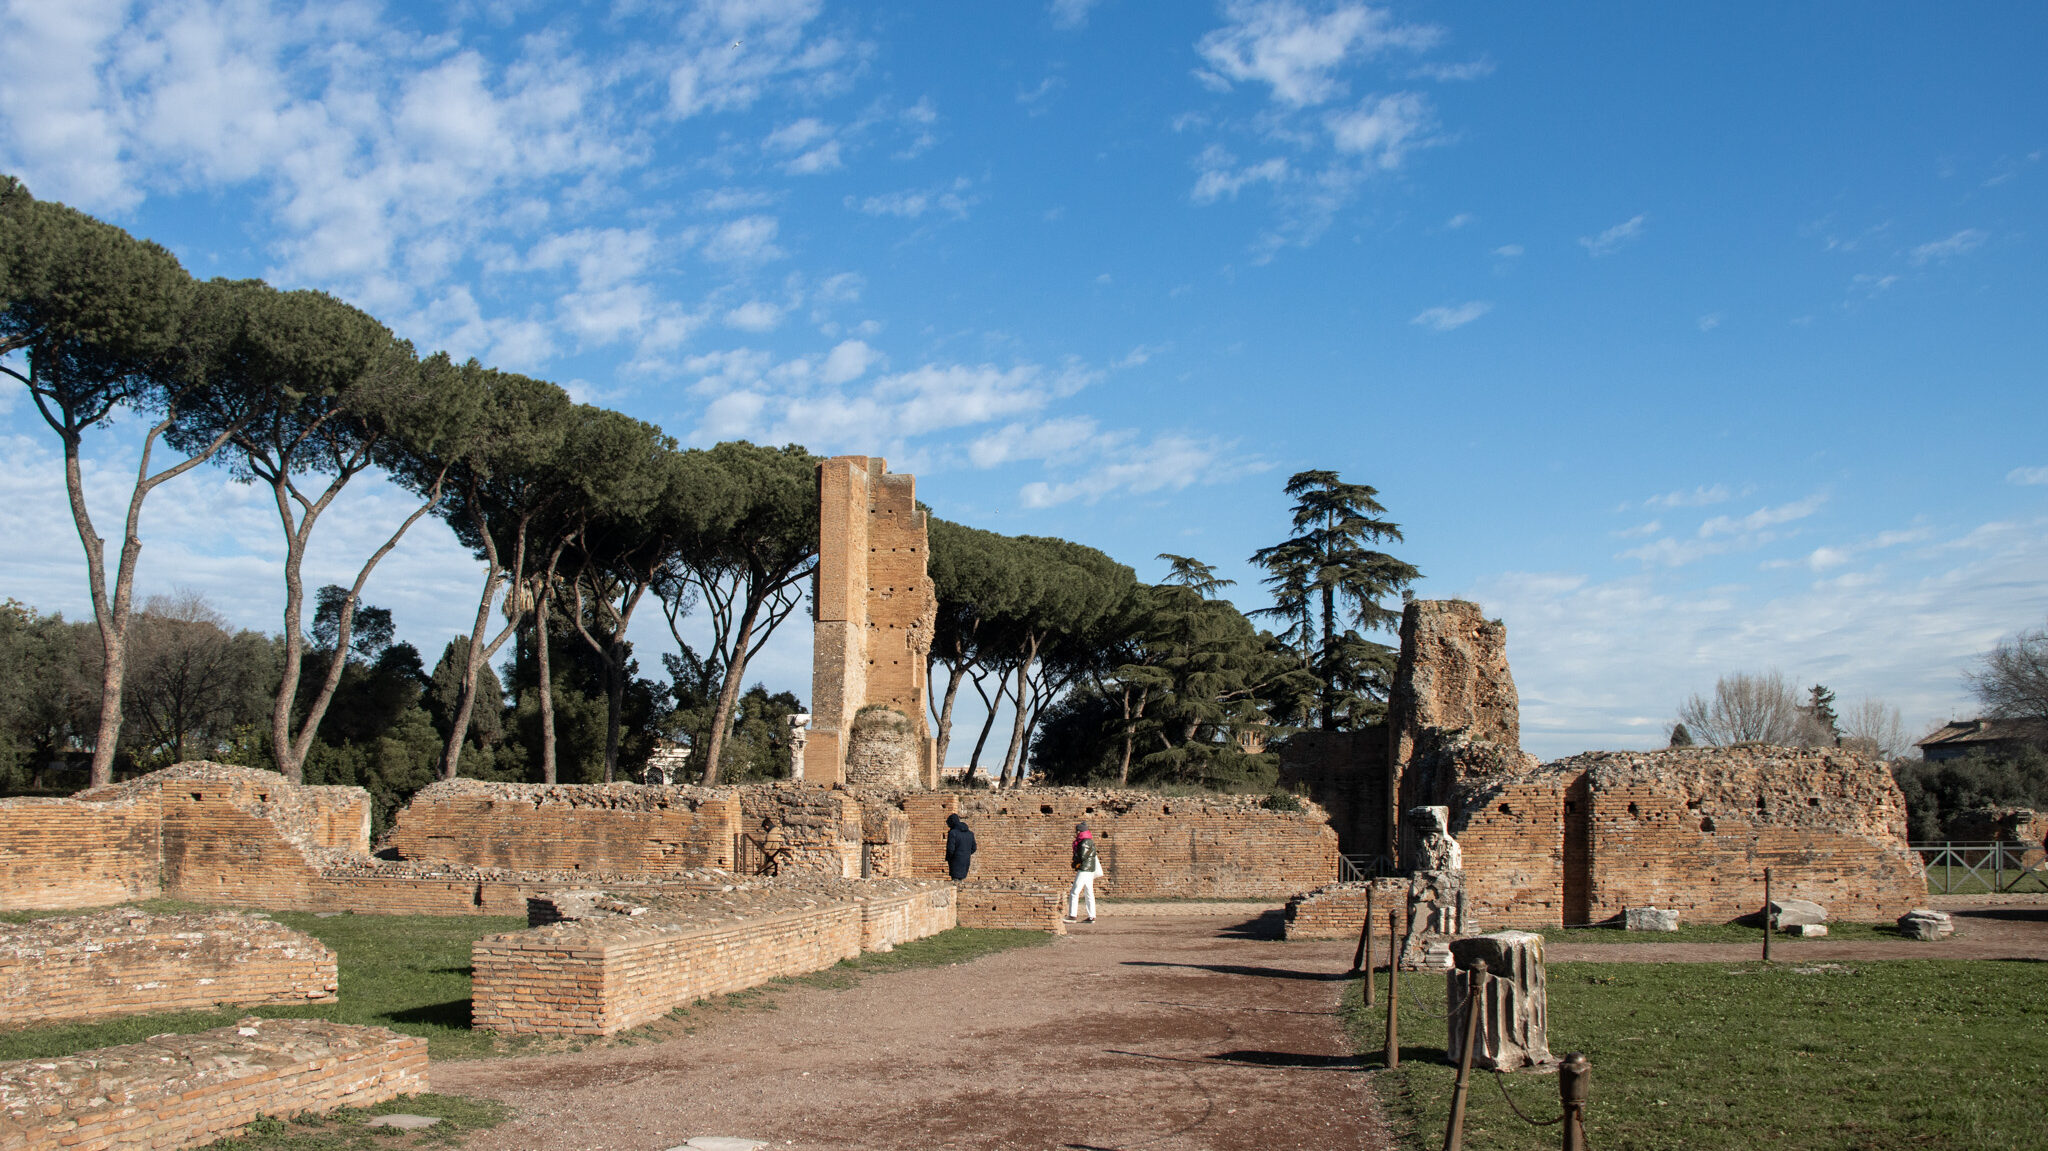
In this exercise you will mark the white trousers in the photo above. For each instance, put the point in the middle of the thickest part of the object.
(1084, 884)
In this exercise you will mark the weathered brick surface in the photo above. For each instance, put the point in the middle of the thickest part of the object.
(875, 608)
(1336, 910)
(176, 1091)
(1513, 833)
(61, 853)
(127, 961)
(607, 973)
(622, 828)
(1345, 773)
(1215, 846)
(1012, 906)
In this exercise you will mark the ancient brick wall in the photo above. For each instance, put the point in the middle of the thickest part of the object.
(620, 827)
(1512, 835)
(615, 969)
(1214, 846)
(1012, 906)
(189, 1090)
(801, 831)
(61, 853)
(1692, 830)
(128, 961)
(875, 606)
(1337, 910)
(1345, 773)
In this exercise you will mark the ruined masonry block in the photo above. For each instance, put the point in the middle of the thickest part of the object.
(1806, 930)
(1797, 912)
(1514, 1012)
(126, 962)
(189, 1090)
(1649, 919)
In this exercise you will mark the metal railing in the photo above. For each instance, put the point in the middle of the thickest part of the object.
(1982, 868)
(1359, 868)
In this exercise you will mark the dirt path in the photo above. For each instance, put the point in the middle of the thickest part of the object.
(1161, 1033)
(1982, 932)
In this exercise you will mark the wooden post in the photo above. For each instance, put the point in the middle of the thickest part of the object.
(1475, 986)
(1362, 959)
(1574, 1081)
(1770, 916)
(1393, 1057)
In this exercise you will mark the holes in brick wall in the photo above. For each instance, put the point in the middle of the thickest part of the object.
(1570, 806)
(1504, 810)
(196, 796)
(1759, 803)
(1634, 810)
(1045, 809)
(1707, 824)
(1813, 801)
(264, 797)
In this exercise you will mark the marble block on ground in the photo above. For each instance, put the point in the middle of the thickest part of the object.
(1792, 912)
(1649, 919)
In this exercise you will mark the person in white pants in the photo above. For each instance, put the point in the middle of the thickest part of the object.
(1087, 865)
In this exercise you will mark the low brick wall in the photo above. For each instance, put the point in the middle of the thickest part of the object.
(1014, 907)
(57, 854)
(1335, 911)
(888, 920)
(619, 827)
(125, 962)
(1154, 846)
(177, 1091)
(617, 970)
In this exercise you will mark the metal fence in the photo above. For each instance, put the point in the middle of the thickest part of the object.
(1358, 868)
(1982, 868)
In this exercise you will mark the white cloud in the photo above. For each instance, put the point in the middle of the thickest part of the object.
(754, 316)
(1470, 70)
(951, 199)
(1296, 52)
(2027, 476)
(1967, 240)
(1381, 128)
(1698, 497)
(1763, 517)
(1508, 251)
(747, 240)
(1614, 239)
(1445, 318)
(1459, 221)
(1710, 321)
(1606, 663)
(726, 54)
(1071, 14)
(1168, 462)
(848, 362)
(1221, 178)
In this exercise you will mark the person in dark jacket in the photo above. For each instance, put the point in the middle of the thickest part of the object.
(959, 846)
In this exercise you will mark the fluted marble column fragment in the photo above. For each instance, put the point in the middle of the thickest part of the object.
(1514, 1024)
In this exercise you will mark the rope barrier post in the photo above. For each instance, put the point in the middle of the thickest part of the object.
(1393, 1055)
(1574, 1079)
(1363, 960)
(1770, 916)
(1475, 986)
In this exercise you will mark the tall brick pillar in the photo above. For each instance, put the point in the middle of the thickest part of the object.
(875, 608)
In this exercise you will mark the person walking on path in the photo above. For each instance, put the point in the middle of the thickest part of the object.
(959, 846)
(1087, 865)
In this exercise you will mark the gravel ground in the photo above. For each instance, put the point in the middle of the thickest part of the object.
(1182, 1031)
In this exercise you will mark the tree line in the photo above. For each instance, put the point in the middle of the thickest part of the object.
(580, 516)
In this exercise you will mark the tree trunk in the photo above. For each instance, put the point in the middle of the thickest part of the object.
(1010, 761)
(547, 688)
(113, 623)
(988, 722)
(1329, 658)
(945, 735)
(451, 752)
(729, 693)
(615, 705)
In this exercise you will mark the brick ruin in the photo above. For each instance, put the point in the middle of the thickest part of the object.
(126, 961)
(875, 606)
(189, 1090)
(1580, 840)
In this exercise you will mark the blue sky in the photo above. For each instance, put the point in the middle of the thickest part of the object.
(1687, 339)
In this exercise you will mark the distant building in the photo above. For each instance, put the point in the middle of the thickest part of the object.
(1962, 737)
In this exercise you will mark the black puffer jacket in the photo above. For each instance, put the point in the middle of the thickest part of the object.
(959, 846)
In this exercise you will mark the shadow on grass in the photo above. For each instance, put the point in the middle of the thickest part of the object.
(454, 1015)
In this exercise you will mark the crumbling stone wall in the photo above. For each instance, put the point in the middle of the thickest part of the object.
(1337, 910)
(884, 750)
(1453, 714)
(1691, 830)
(1210, 846)
(63, 853)
(190, 1090)
(875, 606)
(794, 830)
(128, 961)
(1346, 774)
(617, 827)
(610, 972)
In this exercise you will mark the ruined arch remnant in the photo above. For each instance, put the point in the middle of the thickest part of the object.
(875, 607)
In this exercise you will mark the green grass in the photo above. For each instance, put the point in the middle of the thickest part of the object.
(348, 1129)
(406, 972)
(1724, 1056)
(1717, 933)
(2028, 883)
